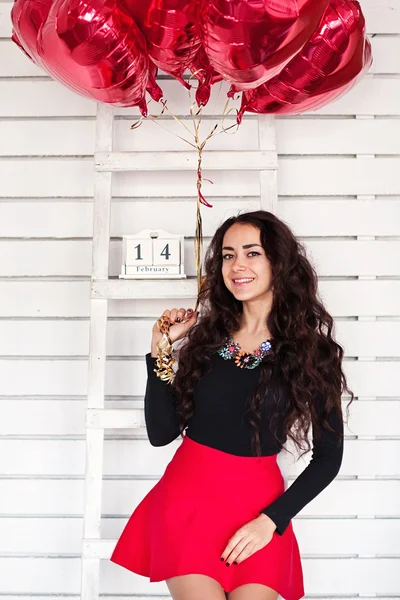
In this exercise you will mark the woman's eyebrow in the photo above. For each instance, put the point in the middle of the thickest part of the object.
(245, 246)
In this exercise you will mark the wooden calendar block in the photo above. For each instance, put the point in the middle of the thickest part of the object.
(166, 251)
(140, 253)
(153, 254)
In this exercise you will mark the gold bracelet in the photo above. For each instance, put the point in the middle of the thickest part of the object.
(164, 360)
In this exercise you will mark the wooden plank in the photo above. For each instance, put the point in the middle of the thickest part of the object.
(38, 98)
(315, 536)
(131, 337)
(138, 457)
(37, 137)
(386, 53)
(337, 136)
(71, 298)
(52, 417)
(103, 548)
(53, 497)
(382, 16)
(50, 536)
(309, 216)
(182, 161)
(350, 303)
(336, 176)
(75, 136)
(350, 536)
(45, 299)
(356, 101)
(306, 216)
(15, 63)
(298, 176)
(73, 258)
(126, 377)
(294, 136)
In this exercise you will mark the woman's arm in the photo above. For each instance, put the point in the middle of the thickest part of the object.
(325, 463)
(162, 421)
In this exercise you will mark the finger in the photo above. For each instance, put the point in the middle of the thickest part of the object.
(173, 315)
(180, 315)
(192, 318)
(240, 547)
(166, 315)
(248, 551)
(187, 314)
(233, 542)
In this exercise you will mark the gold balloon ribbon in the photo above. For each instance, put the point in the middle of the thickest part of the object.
(196, 114)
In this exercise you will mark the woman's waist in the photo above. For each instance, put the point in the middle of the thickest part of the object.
(234, 444)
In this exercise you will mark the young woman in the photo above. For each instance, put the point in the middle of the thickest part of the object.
(256, 366)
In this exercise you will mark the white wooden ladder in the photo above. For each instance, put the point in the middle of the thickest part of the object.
(98, 418)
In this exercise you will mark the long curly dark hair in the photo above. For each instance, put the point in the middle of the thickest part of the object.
(309, 358)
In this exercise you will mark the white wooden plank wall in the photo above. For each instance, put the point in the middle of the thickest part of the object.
(339, 188)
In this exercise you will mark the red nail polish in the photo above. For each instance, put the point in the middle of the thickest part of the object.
(228, 564)
(234, 562)
(222, 558)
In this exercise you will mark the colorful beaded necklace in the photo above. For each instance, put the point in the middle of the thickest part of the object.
(245, 359)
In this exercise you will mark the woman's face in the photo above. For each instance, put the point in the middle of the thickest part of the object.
(243, 257)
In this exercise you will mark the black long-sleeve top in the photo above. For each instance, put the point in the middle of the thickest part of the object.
(217, 421)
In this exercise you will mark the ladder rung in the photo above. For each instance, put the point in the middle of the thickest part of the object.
(115, 418)
(250, 160)
(136, 289)
(93, 548)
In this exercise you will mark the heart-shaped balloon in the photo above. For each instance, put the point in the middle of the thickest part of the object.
(331, 63)
(305, 52)
(171, 33)
(92, 46)
(206, 75)
(27, 17)
(152, 86)
(250, 41)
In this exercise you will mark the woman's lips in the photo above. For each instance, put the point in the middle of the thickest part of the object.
(241, 283)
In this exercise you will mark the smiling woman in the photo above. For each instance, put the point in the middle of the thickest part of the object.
(221, 501)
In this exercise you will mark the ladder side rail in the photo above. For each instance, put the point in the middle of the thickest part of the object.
(90, 573)
(268, 176)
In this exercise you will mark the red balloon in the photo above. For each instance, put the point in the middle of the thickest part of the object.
(328, 66)
(27, 17)
(250, 41)
(305, 52)
(96, 49)
(152, 87)
(138, 9)
(171, 34)
(206, 75)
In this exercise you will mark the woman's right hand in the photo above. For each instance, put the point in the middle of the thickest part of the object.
(181, 321)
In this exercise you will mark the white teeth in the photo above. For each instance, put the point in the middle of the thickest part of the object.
(243, 280)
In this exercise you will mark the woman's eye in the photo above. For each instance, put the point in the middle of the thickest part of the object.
(253, 252)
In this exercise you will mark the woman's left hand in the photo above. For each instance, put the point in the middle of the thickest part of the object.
(250, 538)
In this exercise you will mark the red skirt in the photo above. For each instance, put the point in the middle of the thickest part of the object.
(185, 521)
